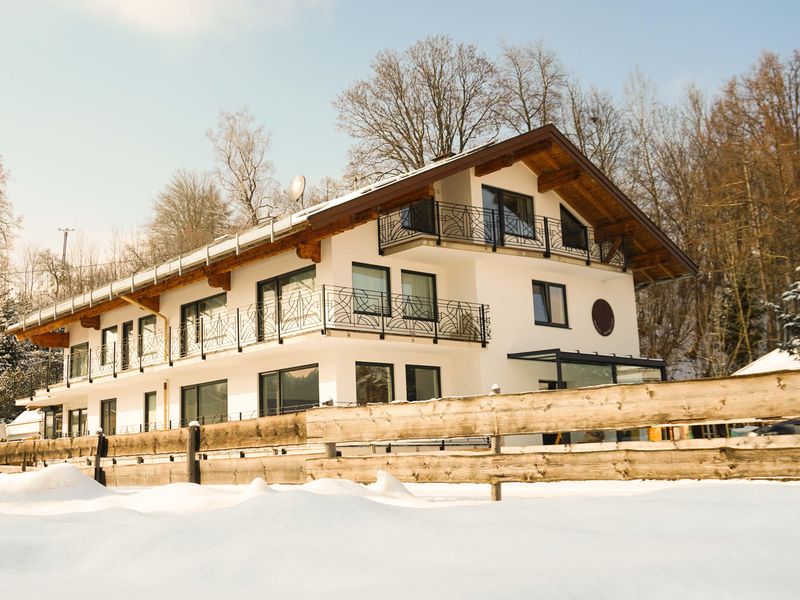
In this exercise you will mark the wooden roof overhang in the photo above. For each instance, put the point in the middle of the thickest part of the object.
(560, 166)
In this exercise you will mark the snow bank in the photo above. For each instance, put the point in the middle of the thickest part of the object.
(340, 540)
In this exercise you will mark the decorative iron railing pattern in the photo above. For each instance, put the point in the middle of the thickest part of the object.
(328, 308)
(462, 223)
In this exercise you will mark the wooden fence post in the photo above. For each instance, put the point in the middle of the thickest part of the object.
(497, 448)
(330, 449)
(192, 442)
(98, 471)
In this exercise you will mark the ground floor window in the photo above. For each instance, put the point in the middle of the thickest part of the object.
(374, 383)
(422, 383)
(205, 402)
(288, 390)
(150, 416)
(53, 422)
(77, 422)
(108, 416)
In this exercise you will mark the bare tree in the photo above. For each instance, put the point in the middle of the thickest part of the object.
(8, 225)
(433, 99)
(244, 170)
(531, 84)
(189, 213)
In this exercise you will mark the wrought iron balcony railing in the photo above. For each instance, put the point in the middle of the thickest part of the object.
(489, 227)
(328, 308)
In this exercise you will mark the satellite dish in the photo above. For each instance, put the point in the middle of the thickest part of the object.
(296, 188)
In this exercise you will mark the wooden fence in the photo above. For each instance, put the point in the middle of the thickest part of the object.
(301, 447)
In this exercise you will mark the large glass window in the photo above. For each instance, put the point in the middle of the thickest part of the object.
(550, 304)
(108, 416)
(79, 360)
(577, 375)
(573, 232)
(150, 415)
(419, 216)
(634, 374)
(419, 295)
(374, 383)
(77, 422)
(127, 344)
(289, 390)
(511, 214)
(197, 315)
(53, 422)
(371, 290)
(293, 289)
(147, 335)
(422, 383)
(205, 402)
(108, 349)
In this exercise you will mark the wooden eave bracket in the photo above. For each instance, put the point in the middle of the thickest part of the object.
(151, 303)
(555, 179)
(51, 339)
(604, 233)
(310, 250)
(91, 322)
(220, 279)
(507, 160)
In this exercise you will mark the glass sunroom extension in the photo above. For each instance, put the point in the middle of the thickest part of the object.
(579, 369)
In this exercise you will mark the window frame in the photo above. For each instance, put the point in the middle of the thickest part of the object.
(387, 308)
(140, 334)
(73, 350)
(264, 410)
(105, 358)
(500, 208)
(276, 280)
(82, 422)
(103, 416)
(146, 420)
(125, 340)
(547, 285)
(363, 363)
(410, 368)
(584, 243)
(435, 298)
(197, 386)
(195, 304)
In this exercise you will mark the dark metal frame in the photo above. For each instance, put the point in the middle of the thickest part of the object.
(500, 230)
(435, 298)
(547, 285)
(145, 420)
(103, 404)
(435, 368)
(260, 299)
(104, 346)
(71, 433)
(198, 386)
(262, 410)
(362, 363)
(385, 306)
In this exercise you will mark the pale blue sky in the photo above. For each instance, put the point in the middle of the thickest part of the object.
(100, 100)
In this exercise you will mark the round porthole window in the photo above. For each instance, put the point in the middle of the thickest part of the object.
(603, 317)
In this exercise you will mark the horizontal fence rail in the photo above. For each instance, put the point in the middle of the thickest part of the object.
(754, 397)
(328, 308)
(488, 227)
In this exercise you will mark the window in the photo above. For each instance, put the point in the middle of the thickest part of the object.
(512, 214)
(108, 416)
(371, 290)
(150, 416)
(77, 422)
(419, 296)
(422, 383)
(573, 232)
(289, 390)
(108, 348)
(147, 336)
(194, 316)
(205, 402)
(79, 360)
(53, 422)
(127, 344)
(550, 304)
(292, 288)
(419, 216)
(374, 383)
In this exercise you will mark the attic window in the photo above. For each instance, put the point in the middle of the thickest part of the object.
(573, 232)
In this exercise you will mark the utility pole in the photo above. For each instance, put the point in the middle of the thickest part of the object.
(66, 231)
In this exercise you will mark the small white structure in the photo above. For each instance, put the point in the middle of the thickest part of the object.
(25, 427)
(777, 360)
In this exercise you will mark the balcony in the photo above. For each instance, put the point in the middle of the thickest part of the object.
(443, 222)
(329, 308)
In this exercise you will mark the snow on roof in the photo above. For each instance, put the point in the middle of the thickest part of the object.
(777, 360)
(27, 416)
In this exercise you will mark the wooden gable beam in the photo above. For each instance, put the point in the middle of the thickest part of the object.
(312, 251)
(615, 246)
(555, 179)
(219, 279)
(650, 258)
(507, 160)
(88, 322)
(52, 339)
(612, 231)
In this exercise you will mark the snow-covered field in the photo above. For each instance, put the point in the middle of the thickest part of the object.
(63, 536)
